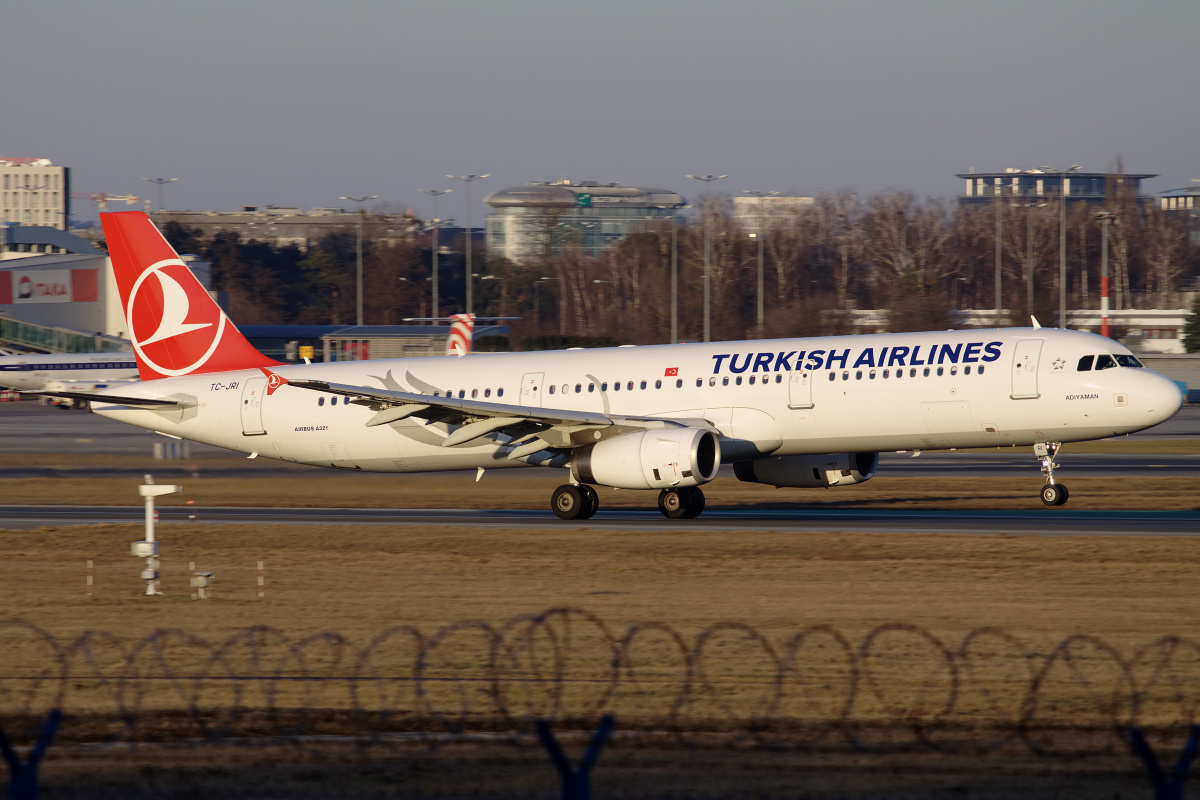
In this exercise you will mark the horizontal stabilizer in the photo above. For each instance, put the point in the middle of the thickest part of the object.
(144, 402)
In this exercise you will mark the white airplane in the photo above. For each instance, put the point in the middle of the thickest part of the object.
(786, 412)
(76, 372)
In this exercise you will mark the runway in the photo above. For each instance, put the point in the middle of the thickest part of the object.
(1032, 522)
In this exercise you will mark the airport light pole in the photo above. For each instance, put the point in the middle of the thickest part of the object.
(468, 180)
(437, 223)
(759, 235)
(360, 201)
(160, 183)
(675, 276)
(708, 179)
(1062, 242)
(999, 255)
(1105, 218)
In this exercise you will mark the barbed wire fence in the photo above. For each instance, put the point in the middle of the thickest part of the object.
(899, 688)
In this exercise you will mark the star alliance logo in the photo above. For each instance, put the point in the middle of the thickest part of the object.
(1059, 363)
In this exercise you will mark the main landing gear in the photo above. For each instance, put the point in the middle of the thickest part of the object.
(574, 502)
(683, 503)
(1053, 494)
(580, 501)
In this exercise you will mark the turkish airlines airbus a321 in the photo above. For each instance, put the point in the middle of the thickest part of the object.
(785, 412)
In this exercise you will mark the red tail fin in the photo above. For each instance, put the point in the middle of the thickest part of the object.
(175, 326)
(462, 332)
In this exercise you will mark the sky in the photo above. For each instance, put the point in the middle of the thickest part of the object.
(299, 103)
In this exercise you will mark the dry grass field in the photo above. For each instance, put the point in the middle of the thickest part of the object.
(360, 582)
(357, 583)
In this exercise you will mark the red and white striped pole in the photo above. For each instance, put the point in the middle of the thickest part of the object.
(1105, 217)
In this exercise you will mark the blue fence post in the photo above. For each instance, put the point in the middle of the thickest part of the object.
(23, 777)
(1166, 788)
(576, 783)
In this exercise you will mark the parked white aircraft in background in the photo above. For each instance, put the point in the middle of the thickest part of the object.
(74, 372)
(787, 412)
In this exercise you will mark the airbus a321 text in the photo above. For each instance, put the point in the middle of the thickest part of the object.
(786, 412)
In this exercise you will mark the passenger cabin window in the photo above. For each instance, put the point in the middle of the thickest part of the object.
(1085, 364)
(1105, 362)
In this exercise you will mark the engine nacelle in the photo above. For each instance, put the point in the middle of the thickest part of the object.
(803, 472)
(651, 459)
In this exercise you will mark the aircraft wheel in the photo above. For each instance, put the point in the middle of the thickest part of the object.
(1054, 494)
(568, 502)
(695, 502)
(673, 503)
(1065, 495)
(591, 501)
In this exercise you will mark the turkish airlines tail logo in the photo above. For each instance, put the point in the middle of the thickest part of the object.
(175, 326)
(462, 332)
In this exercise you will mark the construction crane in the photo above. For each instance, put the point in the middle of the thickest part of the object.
(101, 199)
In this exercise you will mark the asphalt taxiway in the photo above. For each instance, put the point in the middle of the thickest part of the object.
(1031, 522)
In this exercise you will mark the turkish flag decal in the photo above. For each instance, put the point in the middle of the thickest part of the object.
(671, 372)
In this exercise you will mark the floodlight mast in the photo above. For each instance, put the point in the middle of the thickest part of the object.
(760, 236)
(468, 180)
(707, 258)
(360, 201)
(437, 224)
(1062, 241)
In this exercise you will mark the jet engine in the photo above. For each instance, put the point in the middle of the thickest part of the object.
(653, 459)
(833, 469)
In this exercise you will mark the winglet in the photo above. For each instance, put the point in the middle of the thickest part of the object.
(1036, 324)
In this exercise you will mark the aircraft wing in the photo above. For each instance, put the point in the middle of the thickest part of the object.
(531, 428)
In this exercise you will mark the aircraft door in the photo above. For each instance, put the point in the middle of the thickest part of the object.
(800, 388)
(531, 389)
(253, 391)
(1025, 369)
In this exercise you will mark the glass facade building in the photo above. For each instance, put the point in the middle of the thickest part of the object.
(540, 220)
(1092, 187)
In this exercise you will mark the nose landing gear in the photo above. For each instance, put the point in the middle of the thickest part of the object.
(1053, 494)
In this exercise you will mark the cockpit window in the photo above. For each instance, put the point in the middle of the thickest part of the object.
(1105, 362)
(1085, 364)
(1127, 361)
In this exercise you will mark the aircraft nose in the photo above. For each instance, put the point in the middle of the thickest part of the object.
(1162, 397)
